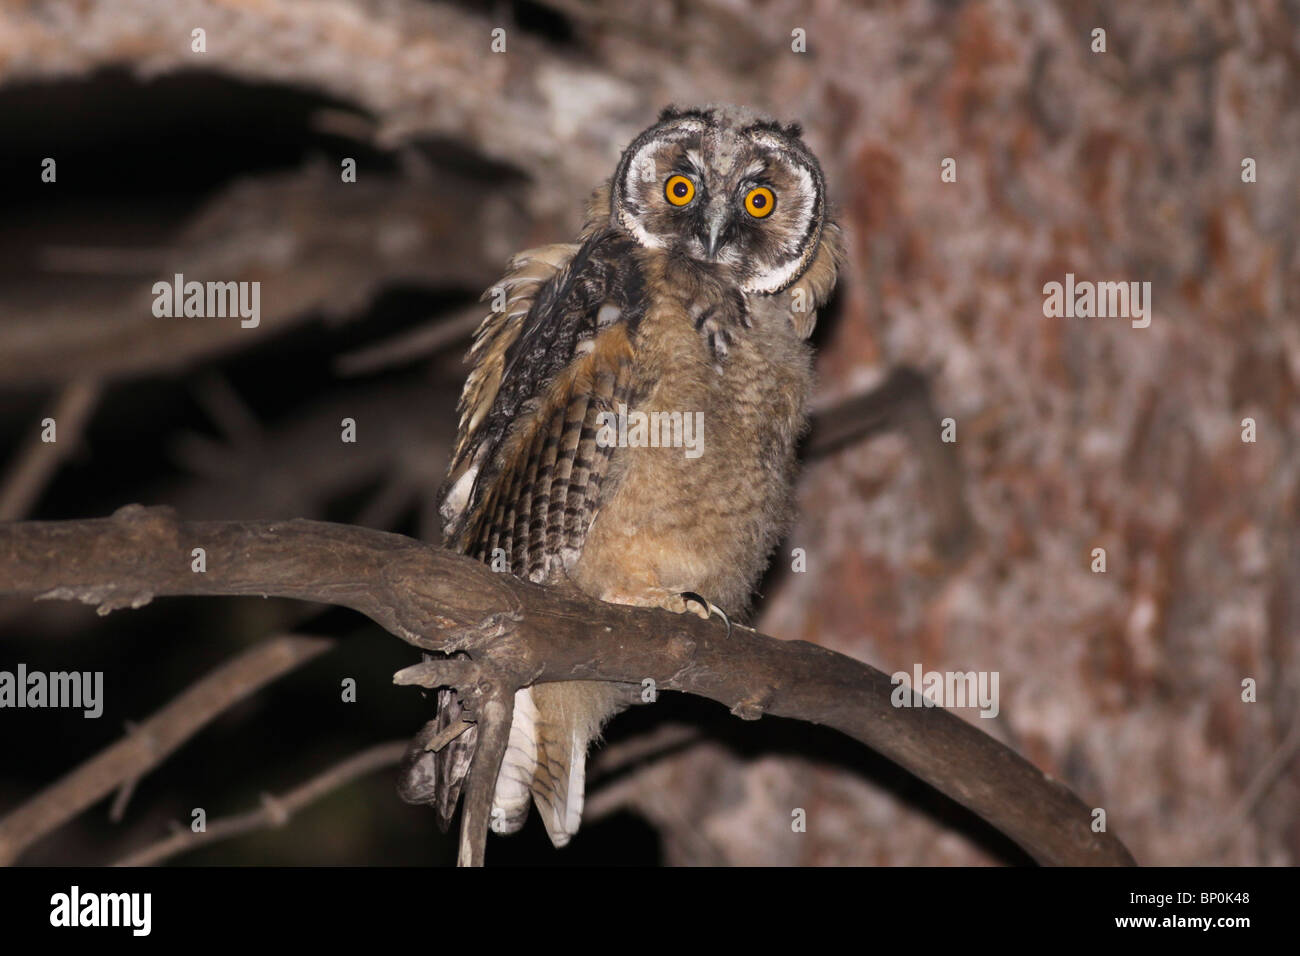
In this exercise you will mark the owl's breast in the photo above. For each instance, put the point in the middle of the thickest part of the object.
(705, 454)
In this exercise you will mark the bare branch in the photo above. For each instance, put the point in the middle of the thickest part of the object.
(274, 811)
(441, 85)
(903, 402)
(495, 715)
(1267, 775)
(520, 634)
(153, 740)
(412, 346)
(35, 465)
(326, 251)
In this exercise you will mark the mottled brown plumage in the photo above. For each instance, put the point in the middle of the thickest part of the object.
(666, 306)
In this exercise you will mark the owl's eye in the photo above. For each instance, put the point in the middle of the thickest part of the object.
(759, 202)
(679, 190)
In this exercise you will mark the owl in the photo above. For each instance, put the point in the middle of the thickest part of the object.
(630, 420)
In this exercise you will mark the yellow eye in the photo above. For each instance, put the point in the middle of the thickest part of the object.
(679, 190)
(759, 202)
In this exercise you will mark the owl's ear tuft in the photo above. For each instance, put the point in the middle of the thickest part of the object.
(790, 130)
(676, 112)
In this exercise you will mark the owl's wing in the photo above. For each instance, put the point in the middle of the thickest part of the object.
(814, 287)
(512, 298)
(526, 477)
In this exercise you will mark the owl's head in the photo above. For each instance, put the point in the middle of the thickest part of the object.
(724, 185)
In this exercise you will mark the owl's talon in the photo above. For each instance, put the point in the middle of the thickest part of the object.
(690, 597)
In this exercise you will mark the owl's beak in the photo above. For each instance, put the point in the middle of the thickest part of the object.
(716, 223)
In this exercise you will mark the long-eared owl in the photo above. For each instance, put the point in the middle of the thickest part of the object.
(631, 416)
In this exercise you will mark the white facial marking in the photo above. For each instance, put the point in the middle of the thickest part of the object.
(800, 217)
(637, 194)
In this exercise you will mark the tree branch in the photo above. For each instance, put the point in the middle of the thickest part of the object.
(35, 465)
(325, 251)
(273, 811)
(148, 744)
(903, 402)
(518, 634)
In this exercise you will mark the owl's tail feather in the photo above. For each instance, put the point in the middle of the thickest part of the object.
(545, 761)
(569, 717)
(518, 766)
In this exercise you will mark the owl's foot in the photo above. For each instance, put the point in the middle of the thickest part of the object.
(679, 602)
(707, 608)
